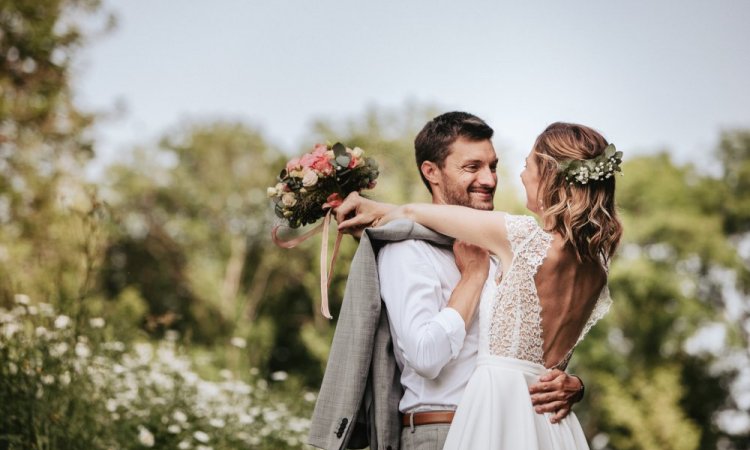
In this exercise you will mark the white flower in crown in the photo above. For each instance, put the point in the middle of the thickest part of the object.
(602, 167)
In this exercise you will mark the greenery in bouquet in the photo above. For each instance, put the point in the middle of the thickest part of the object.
(310, 184)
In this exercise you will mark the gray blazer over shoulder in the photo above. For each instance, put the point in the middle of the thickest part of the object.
(358, 401)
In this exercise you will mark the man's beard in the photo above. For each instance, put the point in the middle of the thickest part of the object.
(455, 195)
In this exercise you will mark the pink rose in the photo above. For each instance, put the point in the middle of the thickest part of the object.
(292, 164)
(319, 149)
(323, 165)
(307, 160)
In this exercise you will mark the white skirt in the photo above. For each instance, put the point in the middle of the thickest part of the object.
(495, 412)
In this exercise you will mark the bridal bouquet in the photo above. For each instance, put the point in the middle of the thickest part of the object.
(309, 187)
(319, 180)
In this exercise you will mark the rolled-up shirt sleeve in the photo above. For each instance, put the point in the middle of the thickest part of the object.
(427, 334)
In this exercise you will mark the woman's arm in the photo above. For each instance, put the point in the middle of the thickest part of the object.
(482, 228)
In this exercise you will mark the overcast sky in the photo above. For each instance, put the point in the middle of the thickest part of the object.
(648, 74)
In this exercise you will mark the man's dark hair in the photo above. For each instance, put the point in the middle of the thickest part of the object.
(434, 141)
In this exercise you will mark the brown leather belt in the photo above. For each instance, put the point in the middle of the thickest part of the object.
(427, 418)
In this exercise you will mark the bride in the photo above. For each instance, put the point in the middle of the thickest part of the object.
(552, 288)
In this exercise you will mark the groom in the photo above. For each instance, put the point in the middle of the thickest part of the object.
(406, 365)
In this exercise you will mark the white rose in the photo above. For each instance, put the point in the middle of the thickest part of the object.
(357, 152)
(310, 179)
(271, 192)
(289, 199)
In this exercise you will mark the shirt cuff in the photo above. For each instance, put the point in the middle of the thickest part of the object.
(453, 324)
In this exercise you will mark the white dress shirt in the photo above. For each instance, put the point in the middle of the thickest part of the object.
(434, 351)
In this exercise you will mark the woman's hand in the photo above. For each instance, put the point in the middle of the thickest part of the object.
(357, 213)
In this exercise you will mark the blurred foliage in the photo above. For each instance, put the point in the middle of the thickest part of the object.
(181, 244)
(678, 273)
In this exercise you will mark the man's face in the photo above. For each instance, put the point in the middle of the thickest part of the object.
(468, 176)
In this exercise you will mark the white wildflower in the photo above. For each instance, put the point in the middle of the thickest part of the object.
(41, 332)
(203, 447)
(238, 342)
(226, 374)
(179, 416)
(11, 329)
(174, 429)
(183, 445)
(145, 437)
(65, 378)
(217, 422)
(201, 436)
(279, 376)
(21, 299)
(59, 349)
(82, 350)
(62, 321)
(12, 368)
(32, 310)
(96, 322)
(116, 346)
(111, 405)
(309, 397)
(48, 379)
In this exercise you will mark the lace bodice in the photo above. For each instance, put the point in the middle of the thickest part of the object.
(510, 318)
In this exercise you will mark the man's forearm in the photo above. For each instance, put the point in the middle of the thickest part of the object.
(465, 297)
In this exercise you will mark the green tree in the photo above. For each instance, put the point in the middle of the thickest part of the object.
(649, 390)
(49, 225)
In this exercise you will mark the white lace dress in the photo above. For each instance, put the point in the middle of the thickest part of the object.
(495, 411)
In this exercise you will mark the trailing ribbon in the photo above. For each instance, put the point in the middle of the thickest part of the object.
(326, 271)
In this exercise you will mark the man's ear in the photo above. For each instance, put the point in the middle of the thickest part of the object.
(431, 171)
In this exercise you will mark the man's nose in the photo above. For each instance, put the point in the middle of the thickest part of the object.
(487, 178)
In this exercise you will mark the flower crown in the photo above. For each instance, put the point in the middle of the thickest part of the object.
(581, 171)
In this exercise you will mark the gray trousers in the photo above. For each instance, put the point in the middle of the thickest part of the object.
(424, 437)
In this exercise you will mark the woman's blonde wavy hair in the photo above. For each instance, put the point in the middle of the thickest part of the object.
(584, 215)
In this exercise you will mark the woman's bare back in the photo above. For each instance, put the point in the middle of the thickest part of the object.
(568, 291)
(545, 302)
